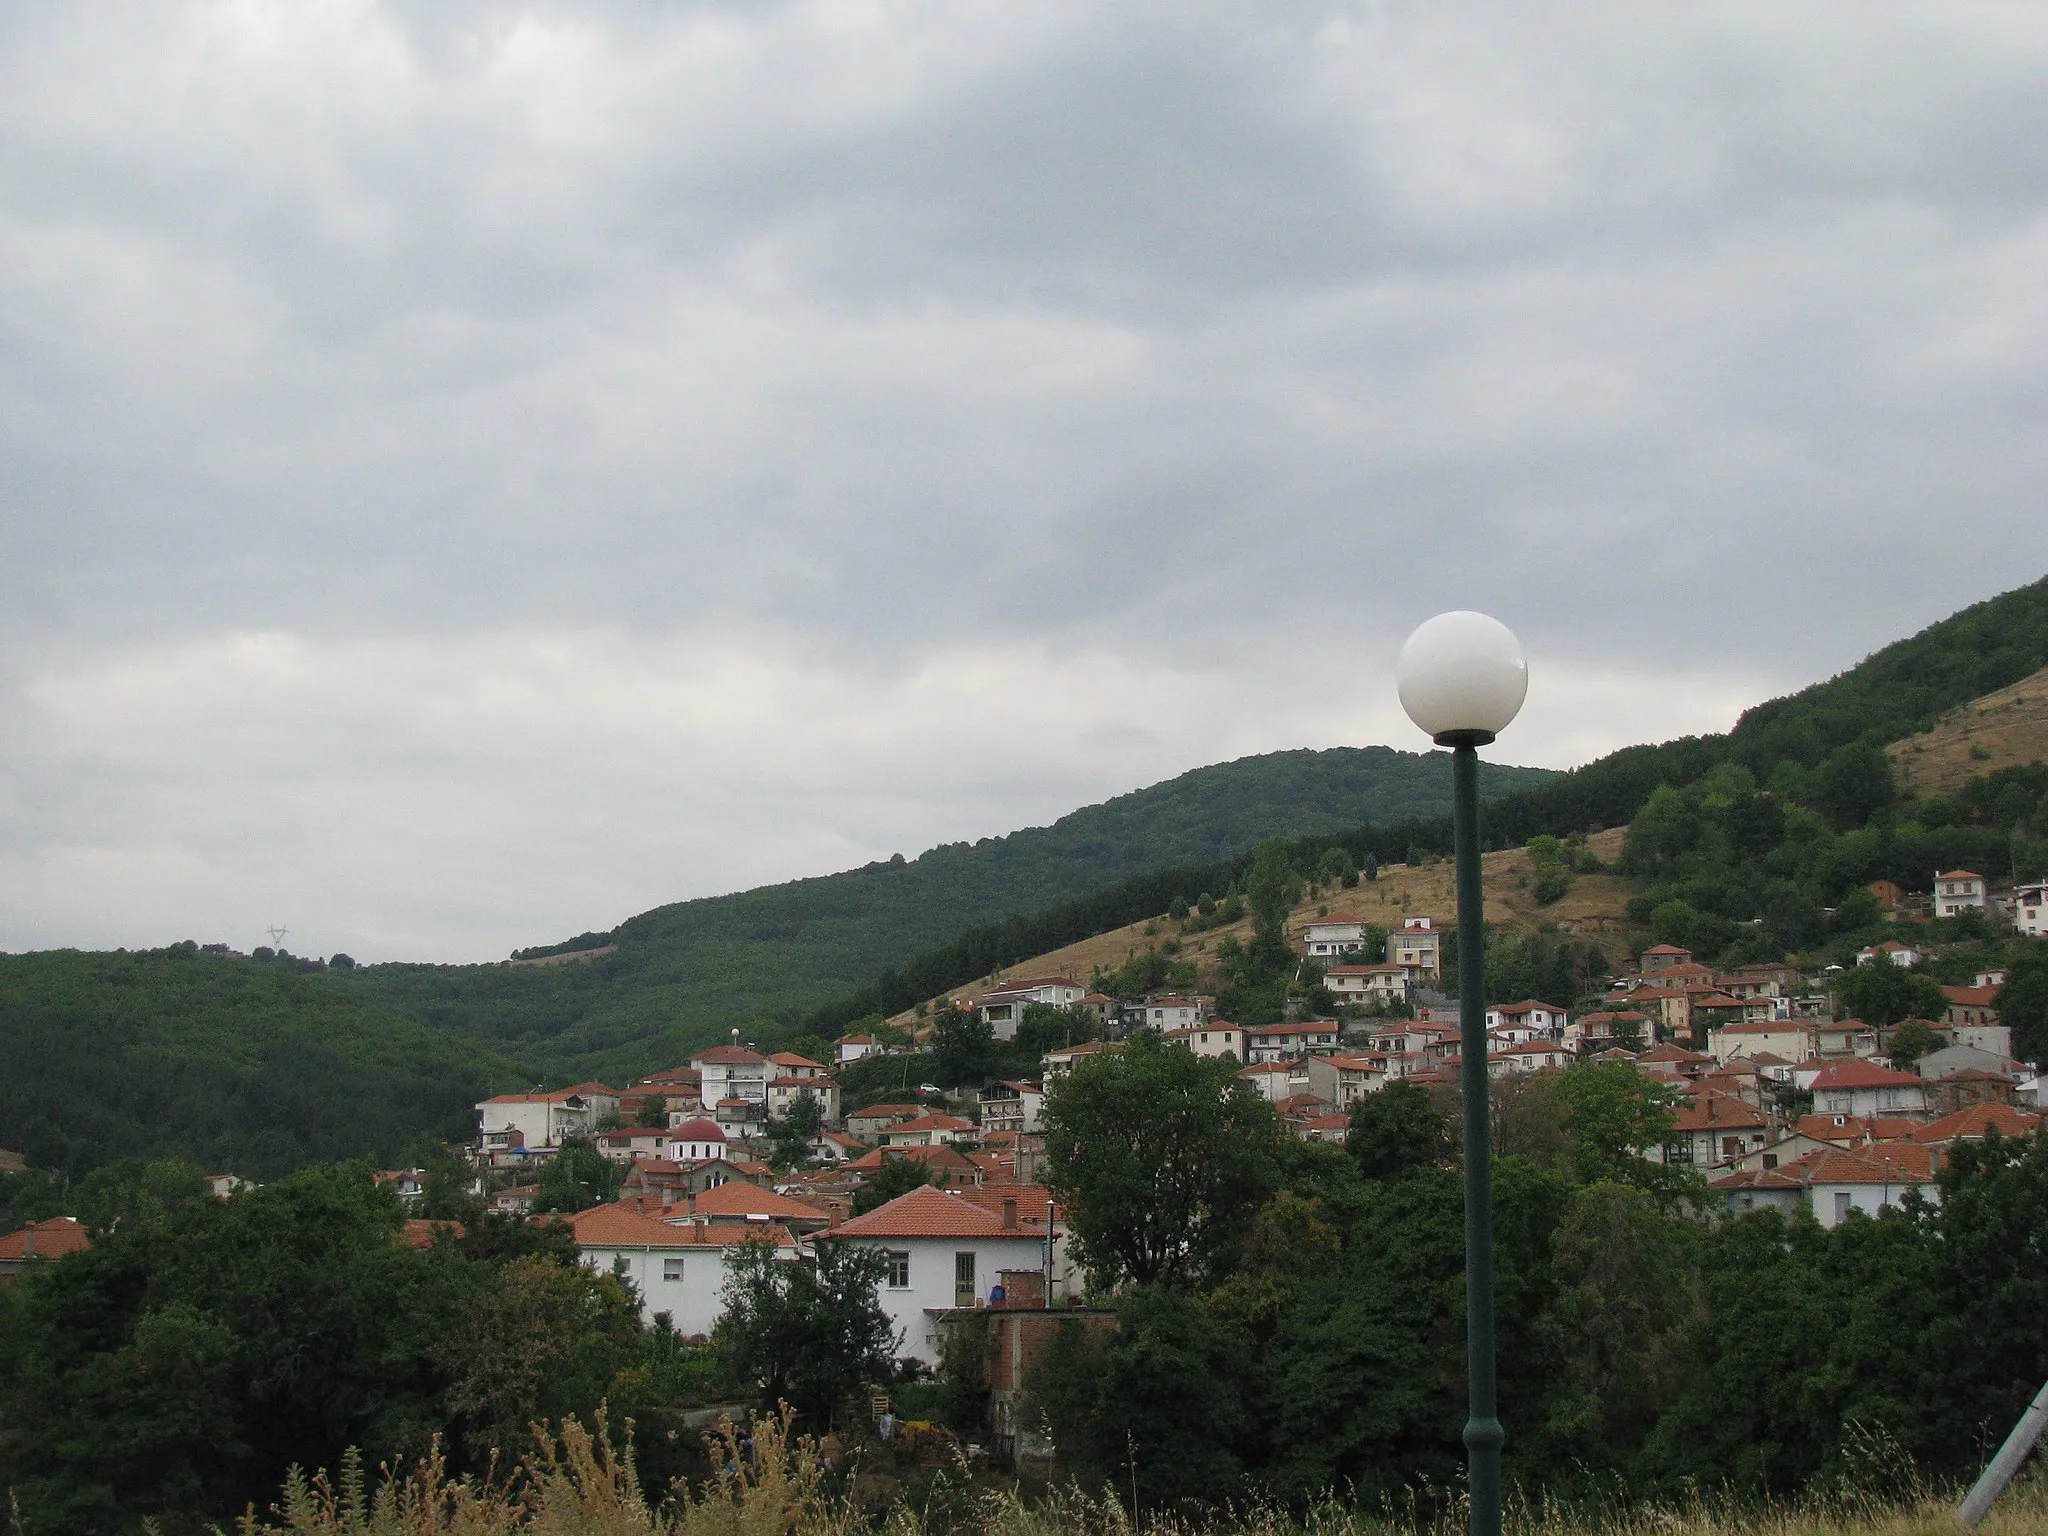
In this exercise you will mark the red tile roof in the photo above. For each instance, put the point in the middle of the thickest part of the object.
(52, 1239)
(749, 1202)
(614, 1226)
(1971, 997)
(731, 1055)
(1975, 1121)
(1831, 1166)
(699, 1129)
(930, 1212)
(1862, 1074)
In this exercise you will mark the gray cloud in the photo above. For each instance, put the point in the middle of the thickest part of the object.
(1162, 365)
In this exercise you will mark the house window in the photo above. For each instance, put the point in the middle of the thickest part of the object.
(1841, 1204)
(672, 1268)
(899, 1269)
(963, 1279)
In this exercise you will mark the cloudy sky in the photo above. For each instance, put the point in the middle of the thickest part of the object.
(469, 473)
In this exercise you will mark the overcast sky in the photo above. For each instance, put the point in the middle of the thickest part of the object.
(469, 473)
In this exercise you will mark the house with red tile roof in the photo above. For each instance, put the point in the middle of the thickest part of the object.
(1974, 1123)
(1840, 1182)
(743, 1204)
(41, 1242)
(930, 1130)
(1861, 1088)
(680, 1270)
(1713, 1129)
(1661, 957)
(946, 1251)
(532, 1125)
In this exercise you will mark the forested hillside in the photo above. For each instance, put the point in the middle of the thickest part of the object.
(683, 974)
(1821, 745)
(239, 1065)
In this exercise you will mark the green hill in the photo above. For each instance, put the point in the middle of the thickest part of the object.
(682, 974)
(235, 1064)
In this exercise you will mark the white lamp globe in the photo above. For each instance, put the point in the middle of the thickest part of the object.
(1462, 675)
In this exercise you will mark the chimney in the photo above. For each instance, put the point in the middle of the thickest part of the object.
(28, 1241)
(1010, 1214)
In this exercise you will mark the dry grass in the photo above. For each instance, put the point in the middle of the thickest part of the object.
(580, 1485)
(1596, 907)
(2005, 729)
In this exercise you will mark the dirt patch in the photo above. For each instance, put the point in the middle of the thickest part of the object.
(2006, 729)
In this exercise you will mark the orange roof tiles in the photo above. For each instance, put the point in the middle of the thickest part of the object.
(1975, 1121)
(50, 1239)
(930, 1212)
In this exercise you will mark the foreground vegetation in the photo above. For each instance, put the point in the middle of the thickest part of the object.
(764, 1483)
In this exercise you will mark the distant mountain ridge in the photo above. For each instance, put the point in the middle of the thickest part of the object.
(685, 972)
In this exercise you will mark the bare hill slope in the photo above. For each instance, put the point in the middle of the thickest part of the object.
(2006, 729)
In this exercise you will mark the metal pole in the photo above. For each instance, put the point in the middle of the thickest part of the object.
(2010, 1458)
(1483, 1432)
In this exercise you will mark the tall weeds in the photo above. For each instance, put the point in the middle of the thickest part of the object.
(764, 1482)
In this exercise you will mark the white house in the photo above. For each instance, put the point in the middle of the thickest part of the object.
(1525, 1021)
(1332, 937)
(732, 1074)
(1861, 1088)
(851, 1048)
(1003, 1009)
(1164, 1013)
(1840, 1182)
(1212, 1039)
(1282, 1042)
(1892, 950)
(1360, 984)
(787, 1088)
(1277, 1081)
(1712, 1129)
(2030, 909)
(1011, 1106)
(1063, 1060)
(631, 1143)
(680, 1270)
(946, 1251)
(543, 1120)
(1417, 945)
(1957, 890)
(933, 1130)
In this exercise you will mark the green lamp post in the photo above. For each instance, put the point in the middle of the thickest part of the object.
(1462, 679)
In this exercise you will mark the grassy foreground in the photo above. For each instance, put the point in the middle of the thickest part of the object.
(766, 1483)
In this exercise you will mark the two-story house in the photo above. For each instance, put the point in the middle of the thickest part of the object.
(1363, 985)
(1214, 1038)
(1958, 890)
(1332, 938)
(541, 1122)
(1861, 1088)
(1526, 1020)
(1003, 1009)
(947, 1251)
(732, 1075)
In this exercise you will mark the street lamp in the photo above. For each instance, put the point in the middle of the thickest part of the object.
(1462, 678)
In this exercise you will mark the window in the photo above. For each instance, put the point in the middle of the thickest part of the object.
(899, 1270)
(963, 1279)
(672, 1268)
(1841, 1204)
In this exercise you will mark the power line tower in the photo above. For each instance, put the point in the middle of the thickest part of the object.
(277, 935)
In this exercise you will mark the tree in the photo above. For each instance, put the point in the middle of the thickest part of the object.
(790, 1137)
(1854, 784)
(578, 1177)
(1398, 1130)
(806, 1332)
(1162, 1158)
(1910, 1041)
(897, 1176)
(652, 1113)
(1880, 993)
(962, 1047)
(1613, 1115)
(2023, 1003)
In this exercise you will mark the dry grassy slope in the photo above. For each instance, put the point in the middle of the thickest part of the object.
(2005, 729)
(1596, 906)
